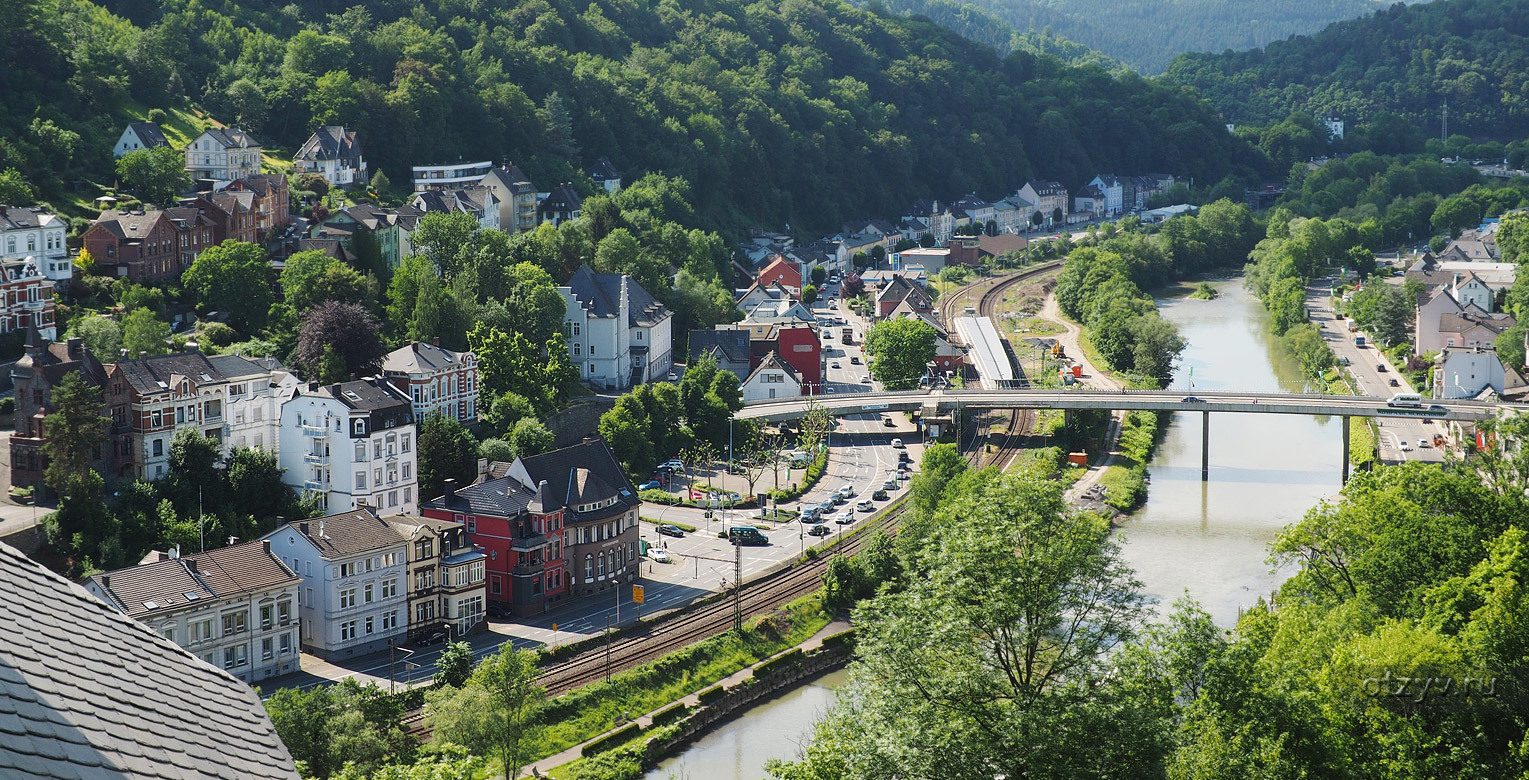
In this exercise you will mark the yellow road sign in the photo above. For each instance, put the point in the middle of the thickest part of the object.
(637, 595)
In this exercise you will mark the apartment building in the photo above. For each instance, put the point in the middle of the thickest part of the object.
(446, 575)
(437, 380)
(520, 529)
(223, 154)
(233, 607)
(350, 443)
(353, 566)
(34, 232)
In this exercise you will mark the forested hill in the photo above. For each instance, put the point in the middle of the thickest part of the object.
(1404, 59)
(1147, 34)
(804, 112)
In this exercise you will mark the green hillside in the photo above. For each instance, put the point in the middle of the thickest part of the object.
(805, 112)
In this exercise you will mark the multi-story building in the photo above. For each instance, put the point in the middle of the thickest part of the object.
(446, 575)
(1112, 188)
(26, 299)
(605, 176)
(450, 175)
(474, 200)
(234, 607)
(139, 135)
(353, 566)
(772, 379)
(517, 198)
(437, 380)
(33, 232)
(520, 530)
(138, 245)
(333, 153)
(561, 205)
(350, 443)
(271, 201)
(1050, 199)
(618, 334)
(42, 365)
(223, 154)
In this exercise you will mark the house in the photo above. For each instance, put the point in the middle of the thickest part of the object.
(234, 607)
(772, 379)
(26, 299)
(449, 175)
(875, 280)
(779, 310)
(605, 176)
(139, 135)
(224, 397)
(353, 566)
(1471, 247)
(195, 231)
(1112, 187)
(618, 334)
(973, 250)
(43, 364)
(864, 243)
(1471, 328)
(979, 211)
(561, 205)
(1456, 313)
(1013, 214)
(517, 198)
(89, 692)
(140, 246)
(782, 272)
(272, 202)
(332, 247)
(223, 154)
(34, 232)
(474, 200)
(876, 227)
(938, 219)
(231, 214)
(932, 260)
(947, 356)
(758, 293)
(446, 577)
(522, 532)
(728, 346)
(1470, 372)
(436, 380)
(390, 229)
(333, 153)
(795, 343)
(350, 444)
(1050, 199)
(1091, 200)
(896, 291)
(1434, 274)
(1334, 127)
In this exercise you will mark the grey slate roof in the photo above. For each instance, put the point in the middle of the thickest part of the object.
(169, 584)
(233, 138)
(603, 170)
(331, 142)
(1471, 318)
(600, 295)
(562, 198)
(347, 534)
(149, 134)
(87, 692)
(129, 225)
(22, 217)
(581, 472)
(417, 357)
(152, 374)
(732, 344)
(497, 497)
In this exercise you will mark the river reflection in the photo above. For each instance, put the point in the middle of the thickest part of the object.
(738, 749)
(1210, 538)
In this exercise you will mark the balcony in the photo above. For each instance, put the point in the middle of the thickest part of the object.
(317, 484)
(316, 431)
(315, 457)
(522, 570)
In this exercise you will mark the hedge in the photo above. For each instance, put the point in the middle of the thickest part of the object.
(670, 714)
(790, 658)
(841, 639)
(618, 737)
(814, 472)
(711, 694)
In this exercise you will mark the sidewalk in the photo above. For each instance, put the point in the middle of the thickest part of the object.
(542, 767)
(1092, 377)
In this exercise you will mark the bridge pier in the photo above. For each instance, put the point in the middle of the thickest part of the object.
(1205, 447)
(1345, 448)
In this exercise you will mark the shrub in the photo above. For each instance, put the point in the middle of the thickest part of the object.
(7, 405)
(670, 714)
(618, 737)
(711, 694)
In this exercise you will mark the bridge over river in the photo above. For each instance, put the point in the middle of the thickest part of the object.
(932, 403)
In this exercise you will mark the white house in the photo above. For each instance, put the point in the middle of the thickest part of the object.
(1334, 127)
(605, 175)
(233, 607)
(33, 232)
(139, 135)
(1467, 372)
(618, 334)
(450, 175)
(223, 154)
(351, 443)
(1457, 314)
(772, 378)
(1050, 199)
(561, 205)
(1113, 190)
(437, 380)
(333, 153)
(354, 590)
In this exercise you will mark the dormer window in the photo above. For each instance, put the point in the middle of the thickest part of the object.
(359, 427)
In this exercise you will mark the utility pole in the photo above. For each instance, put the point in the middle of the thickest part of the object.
(738, 585)
(607, 647)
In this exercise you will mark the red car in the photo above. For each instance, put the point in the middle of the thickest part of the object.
(696, 495)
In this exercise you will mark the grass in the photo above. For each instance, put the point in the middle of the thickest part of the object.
(686, 527)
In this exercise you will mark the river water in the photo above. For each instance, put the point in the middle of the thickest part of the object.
(738, 749)
(1210, 538)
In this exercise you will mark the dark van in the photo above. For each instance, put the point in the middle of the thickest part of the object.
(746, 535)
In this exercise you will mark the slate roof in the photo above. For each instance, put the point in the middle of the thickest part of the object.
(500, 496)
(53, 360)
(513, 179)
(152, 375)
(129, 225)
(1048, 188)
(418, 357)
(87, 692)
(331, 142)
(329, 246)
(347, 534)
(368, 395)
(1108, 179)
(732, 344)
(175, 584)
(25, 217)
(600, 295)
(470, 200)
(772, 361)
(562, 198)
(149, 134)
(603, 170)
(232, 138)
(576, 472)
(1461, 322)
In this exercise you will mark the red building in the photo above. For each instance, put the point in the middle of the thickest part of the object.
(520, 529)
(138, 245)
(798, 346)
(784, 271)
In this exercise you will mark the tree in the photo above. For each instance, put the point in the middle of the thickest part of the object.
(311, 182)
(809, 294)
(441, 237)
(380, 184)
(232, 277)
(495, 712)
(14, 190)
(348, 330)
(900, 351)
(312, 277)
(76, 429)
(497, 450)
(530, 437)
(509, 363)
(102, 335)
(156, 175)
(819, 275)
(144, 334)
(446, 451)
(506, 410)
(455, 664)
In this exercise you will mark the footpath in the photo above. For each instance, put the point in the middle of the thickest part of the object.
(1070, 337)
(542, 767)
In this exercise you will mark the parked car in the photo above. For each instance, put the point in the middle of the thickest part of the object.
(675, 464)
(673, 377)
(671, 530)
(854, 360)
(818, 530)
(865, 506)
(897, 444)
(651, 484)
(865, 379)
(1423, 444)
(430, 637)
(659, 555)
(696, 495)
(498, 610)
(845, 518)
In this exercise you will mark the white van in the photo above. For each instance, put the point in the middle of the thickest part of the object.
(1406, 400)
(798, 457)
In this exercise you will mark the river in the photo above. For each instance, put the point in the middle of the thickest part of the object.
(738, 749)
(1210, 538)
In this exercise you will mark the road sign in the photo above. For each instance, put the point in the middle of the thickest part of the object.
(637, 594)
(554, 628)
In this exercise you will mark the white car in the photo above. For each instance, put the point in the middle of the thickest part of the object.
(897, 444)
(865, 506)
(659, 555)
(865, 379)
(1404, 446)
(845, 518)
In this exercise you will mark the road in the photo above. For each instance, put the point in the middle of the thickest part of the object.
(1370, 380)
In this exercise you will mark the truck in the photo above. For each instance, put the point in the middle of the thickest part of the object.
(847, 335)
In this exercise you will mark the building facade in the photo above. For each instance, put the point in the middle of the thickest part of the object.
(234, 607)
(140, 245)
(350, 444)
(772, 379)
(34, 232)
(333, 153)
(223, 154)
(437, 380)
(517, 198)
(138, 136)
(618, 334)
(446, 576)
(521, 532)
(41, 367)
(598, 508)
(271, 203)
(440, 177)
(353, 566)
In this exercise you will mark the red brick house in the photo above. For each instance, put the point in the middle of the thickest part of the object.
(41, 368)
(797, 346)
(139, 245)
(272, 205)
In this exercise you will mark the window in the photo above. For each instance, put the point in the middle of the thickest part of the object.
(390, 621)
(369, 627)
(389, 588)
(360, 480)
(368, 598)
(360, 452)
(285, 644)
(360, 427)
(424, 579)
(168, 632)
(347, 630)
(392, 498)
(157, 446)
(376, 476)
(349, 569)
(347, 598)
(234, 623)
(267, 649)
(403, 444)
(201, 630)
(377, 449)
(494, 585)
(408, 494)
(267, 616)
(156, 418)
(284, 613)
(392, 445)
(236, 656)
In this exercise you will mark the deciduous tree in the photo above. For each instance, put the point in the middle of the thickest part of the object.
(232, 277)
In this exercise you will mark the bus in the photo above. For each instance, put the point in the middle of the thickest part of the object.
(1406, 400)
(746, 535)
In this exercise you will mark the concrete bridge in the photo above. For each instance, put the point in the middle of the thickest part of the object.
(931, 403)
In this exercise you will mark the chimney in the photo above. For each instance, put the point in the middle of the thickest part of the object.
(313, 387)
(451, 489)
(303, 527)
(544, 494)
(191, 564)
(265, 546)
(334, 390)
(76, 345)
(483, 467)
(435, 342)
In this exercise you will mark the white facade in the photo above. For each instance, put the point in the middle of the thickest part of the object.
(1114, 193)
(223, 155)
(1465, 373)
(33, 232)
(437, 177)
(348, 452)
(773, 379)
(352, 601)
(133, 138)
(618, 335)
